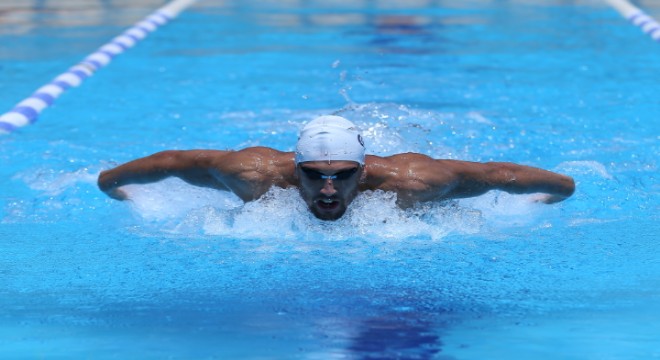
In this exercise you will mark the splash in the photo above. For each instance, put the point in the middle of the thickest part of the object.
(174, 207)
(282, 214)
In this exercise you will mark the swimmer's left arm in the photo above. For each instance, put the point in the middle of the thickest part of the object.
(472, 179)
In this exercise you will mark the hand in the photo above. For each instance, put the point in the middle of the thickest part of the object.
(110, 186)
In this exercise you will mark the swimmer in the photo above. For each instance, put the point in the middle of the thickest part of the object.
(330, 168)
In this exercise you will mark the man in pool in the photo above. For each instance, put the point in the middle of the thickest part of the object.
(329, 167)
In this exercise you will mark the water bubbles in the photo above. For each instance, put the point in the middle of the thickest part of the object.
(585, 167)
(281, 217)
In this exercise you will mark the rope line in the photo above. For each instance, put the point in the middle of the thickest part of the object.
(637, 17)
(27, 111)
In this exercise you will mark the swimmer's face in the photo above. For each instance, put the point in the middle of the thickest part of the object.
(328, 186)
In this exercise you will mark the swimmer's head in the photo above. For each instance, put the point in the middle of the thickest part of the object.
(330, 138)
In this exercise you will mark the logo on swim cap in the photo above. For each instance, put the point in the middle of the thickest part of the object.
(329, 138)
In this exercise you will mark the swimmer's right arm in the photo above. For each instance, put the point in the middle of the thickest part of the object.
(192, 166)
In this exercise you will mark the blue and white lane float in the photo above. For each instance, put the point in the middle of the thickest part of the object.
(27, 111)
(638, 17)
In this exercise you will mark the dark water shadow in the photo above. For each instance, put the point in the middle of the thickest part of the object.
(396, 337)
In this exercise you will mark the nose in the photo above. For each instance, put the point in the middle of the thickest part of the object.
(328, 188)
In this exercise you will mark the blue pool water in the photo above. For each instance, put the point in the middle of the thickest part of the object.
(184, 273)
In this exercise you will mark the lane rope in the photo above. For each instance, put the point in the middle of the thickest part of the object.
(27, 111)
(638, 17)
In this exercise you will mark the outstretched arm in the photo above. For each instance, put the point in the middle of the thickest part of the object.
(472, 179)
(193, 166)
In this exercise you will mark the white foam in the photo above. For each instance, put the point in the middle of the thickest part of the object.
(58, 199)
(390, 128)
(503, 210)
(53, 182)
(585, 167)
(177, 207)
(173, 198)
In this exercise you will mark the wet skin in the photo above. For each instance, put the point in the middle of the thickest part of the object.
(328, 187)
(414, 178)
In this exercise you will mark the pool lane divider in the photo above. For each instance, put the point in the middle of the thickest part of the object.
(638, 17)
(27, 111)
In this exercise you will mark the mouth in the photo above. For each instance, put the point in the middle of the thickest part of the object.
(327, 204)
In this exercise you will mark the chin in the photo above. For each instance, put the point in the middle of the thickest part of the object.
(331, 216)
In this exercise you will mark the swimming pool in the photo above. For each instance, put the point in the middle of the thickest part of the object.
(188, 273)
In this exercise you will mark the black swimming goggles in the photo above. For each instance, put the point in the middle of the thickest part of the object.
(316, 175)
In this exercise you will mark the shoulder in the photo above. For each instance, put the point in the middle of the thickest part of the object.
(260, 156)
(399, 159)
(414, 170)
(257, 164)
(247, 157)
(263, 151)
(399, 164)
(400, 171)
(413, 177)
(228, 161)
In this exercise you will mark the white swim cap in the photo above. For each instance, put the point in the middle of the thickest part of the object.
(328, 138)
